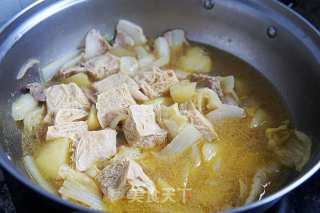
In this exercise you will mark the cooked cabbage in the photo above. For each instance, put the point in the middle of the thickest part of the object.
(92, 171)
(257, 188)
(145, 59)
(47, 72)
(291, 147)
(33, 119)
(73, 62)
(228, 87)
(243, 189)
(172, 112)
(206, 100)
(209, 150)
(278, 136)
(216, 165)
(188, 136)
(162, 51)
(196, 156)
(73, 190)
(22, 106)
(79, 187)
(304, 144)
(127, 152)
(66, 172)
(171, 119)
(176, 38)
(227, 83)
(260, 182)
(225, 111)
(172, 127)
(34, 172)
(259, 119)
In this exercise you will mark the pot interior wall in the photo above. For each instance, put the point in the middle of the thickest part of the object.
(290, 60)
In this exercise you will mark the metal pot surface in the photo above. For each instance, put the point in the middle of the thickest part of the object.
(274, 40)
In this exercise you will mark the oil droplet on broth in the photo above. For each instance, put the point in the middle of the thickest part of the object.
(242, 151)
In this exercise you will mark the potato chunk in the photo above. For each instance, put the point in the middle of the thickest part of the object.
(80, 79)
(182, 91)
(167, 101)
(51, 156)
(195, 60)
(121, 52)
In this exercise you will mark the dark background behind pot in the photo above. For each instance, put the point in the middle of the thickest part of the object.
(14, 197)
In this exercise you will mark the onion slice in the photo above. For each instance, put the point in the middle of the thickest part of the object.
(188, 136)
(50, 70)
(22, 106)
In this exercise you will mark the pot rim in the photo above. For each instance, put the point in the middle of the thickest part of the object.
(34, 7)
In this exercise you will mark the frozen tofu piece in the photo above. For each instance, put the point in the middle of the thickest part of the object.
(93, 146)
(141, 128)
(118, 79)
(122, 175)
(97, 67)
(69, 115)
(129, 34)
(102, 66)
(113, 103)
(156, 82)
(66, 130)
(95, 44)
(199, 121)
(65, 96)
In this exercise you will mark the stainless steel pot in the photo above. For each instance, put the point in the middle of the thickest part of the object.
(276, 41)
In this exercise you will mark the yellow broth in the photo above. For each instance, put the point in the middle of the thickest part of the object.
(215, 185)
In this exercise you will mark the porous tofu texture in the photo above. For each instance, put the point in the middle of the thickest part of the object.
(102, 66)
(66, 130)
(141, 128)
(69, 115)
(113, 103)
(156, 82)
(97, 67)
(199, 121)
(118, 79)
(122, 175)
(93, 146)
(66, 96)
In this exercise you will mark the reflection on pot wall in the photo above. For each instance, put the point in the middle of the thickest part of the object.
(9, 8)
